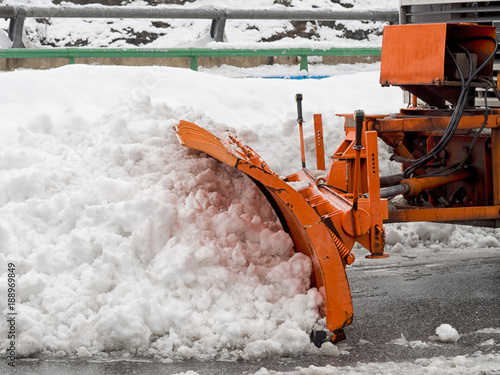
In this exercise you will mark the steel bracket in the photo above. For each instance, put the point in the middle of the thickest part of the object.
(218, 25)
(16, 27)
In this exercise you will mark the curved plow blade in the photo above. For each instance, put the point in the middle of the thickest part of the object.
(314, 233)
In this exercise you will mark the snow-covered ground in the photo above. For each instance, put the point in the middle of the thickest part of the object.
(460, 365)
(126, 242)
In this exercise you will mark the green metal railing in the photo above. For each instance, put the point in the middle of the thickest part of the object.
(193, 53)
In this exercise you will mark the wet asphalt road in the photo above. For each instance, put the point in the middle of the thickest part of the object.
(390, 299)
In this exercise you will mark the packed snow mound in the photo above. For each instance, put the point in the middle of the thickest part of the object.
(60, 32)
(5, 42)
(404, 237)
(446, 333)
(123, 240)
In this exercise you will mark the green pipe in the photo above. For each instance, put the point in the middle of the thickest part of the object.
(194, 53)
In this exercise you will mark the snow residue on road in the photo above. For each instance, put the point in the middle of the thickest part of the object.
(403, 238)
(460, 365)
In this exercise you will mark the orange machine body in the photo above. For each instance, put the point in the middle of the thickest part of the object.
(419, 58)
(448, 149)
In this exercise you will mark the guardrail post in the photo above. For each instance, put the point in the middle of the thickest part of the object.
(303, 63)
(16, 27)
(217, 27)
(71, 53)
(194, 63)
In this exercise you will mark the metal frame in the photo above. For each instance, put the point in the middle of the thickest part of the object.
(17, 15)
(455, 11)
(194, 53)
(16, 27)
(451, 11)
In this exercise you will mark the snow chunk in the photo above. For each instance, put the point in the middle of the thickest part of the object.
(30, 285)
(394, 236)
(401, 341)
(122, 329)
(329, 349)
(262, 349)
(487, 342)
(5, 42)
(488, 330)
(298, 185)
(397, 248)
(417, 344)
(446, 333)
(82, 352)
(488, 241)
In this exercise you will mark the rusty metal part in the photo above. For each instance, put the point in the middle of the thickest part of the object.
(318, 138)
(300, 121)
(337, 335)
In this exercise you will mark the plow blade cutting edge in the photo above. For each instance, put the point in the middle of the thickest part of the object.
(314, 230)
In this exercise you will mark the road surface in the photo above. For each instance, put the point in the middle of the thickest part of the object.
(407, 296)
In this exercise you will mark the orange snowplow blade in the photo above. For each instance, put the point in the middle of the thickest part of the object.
(313, 229)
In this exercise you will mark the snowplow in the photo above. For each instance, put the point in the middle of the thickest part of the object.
(447, 143)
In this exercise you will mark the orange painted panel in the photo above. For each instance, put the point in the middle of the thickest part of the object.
(413, 54)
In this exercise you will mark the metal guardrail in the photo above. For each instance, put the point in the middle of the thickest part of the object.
(193, 53)
(18, 14)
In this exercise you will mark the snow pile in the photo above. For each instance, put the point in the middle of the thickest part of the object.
(125, 241)
(446, 333)
(329, 349)
(5, 42)
(403, 238)
(162, 33)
